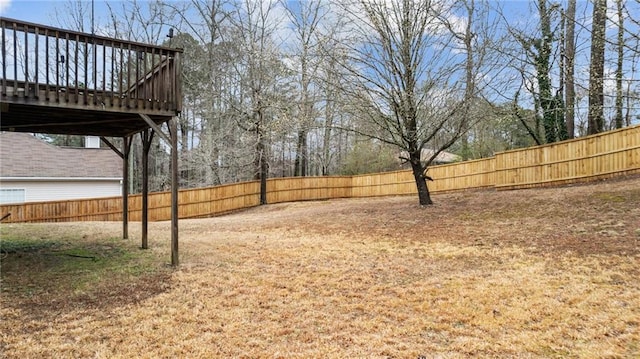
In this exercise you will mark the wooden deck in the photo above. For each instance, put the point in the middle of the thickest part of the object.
(57, 81)
(61, 81)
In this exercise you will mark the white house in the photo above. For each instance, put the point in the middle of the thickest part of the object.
(33, 170)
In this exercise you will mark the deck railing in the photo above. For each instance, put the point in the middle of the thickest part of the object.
(50, 66)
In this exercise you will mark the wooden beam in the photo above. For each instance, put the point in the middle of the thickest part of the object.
(156, 128)
(111, 146)
(53, 124)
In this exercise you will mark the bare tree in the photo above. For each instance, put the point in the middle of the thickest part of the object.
(258, 71)
(569, 67)
(410, 82)
(473, 31)
(334, 141)
(207, 72)
(305, 18)
(619, 119)
(596, 72)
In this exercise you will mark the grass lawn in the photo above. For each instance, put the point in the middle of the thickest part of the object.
(537, 273)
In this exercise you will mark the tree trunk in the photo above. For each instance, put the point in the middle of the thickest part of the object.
(470, 87)
(570, 54)
(301, 154)
(596, 73)
(547, 101)
(418, 175)
(183, 126)
(264, 171)
(326, 139)
(262, 168)
(560, 111)
(619, 118)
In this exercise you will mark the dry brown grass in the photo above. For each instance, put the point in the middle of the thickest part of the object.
(525, 274)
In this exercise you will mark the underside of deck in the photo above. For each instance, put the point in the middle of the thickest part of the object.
(62, 118)
(57, 81)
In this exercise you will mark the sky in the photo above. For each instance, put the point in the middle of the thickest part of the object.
(42, 11)
(518, 13)
(31, 11)
(45, 11)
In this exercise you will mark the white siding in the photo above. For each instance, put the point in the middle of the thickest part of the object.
(56, 190)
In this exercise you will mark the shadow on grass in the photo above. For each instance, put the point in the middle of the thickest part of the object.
(49, 273)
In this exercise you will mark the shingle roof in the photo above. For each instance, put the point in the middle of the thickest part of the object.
(442, 157)
(24, 155)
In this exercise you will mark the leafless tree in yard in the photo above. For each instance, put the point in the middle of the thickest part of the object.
(258, 72)
(411, 82)
(627, 20)
(207, 72)
(335, 140)
(306, 18)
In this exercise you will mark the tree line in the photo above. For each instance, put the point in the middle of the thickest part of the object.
(317, 87)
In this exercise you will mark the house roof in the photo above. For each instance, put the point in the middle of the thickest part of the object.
(26, 156)
(442, 157)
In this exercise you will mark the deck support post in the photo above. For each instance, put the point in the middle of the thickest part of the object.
(147, 137)
(173, 127)
(172, 141)
(126, 149)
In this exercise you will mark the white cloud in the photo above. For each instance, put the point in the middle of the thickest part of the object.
(4, 5)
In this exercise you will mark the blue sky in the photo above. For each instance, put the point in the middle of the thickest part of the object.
(43, 11)
(518, 13)
(33, 11)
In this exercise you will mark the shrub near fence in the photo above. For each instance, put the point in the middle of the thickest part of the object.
(587, 158)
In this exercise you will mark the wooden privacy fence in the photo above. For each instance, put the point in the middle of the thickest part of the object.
(588, 158)
(450, 177)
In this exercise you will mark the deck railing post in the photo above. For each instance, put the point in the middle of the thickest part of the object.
(63, 67)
